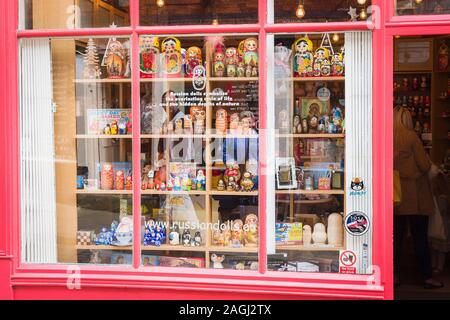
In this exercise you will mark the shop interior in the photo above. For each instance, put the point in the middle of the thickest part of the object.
(422, 85)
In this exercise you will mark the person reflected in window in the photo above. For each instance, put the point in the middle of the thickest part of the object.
(415, 168)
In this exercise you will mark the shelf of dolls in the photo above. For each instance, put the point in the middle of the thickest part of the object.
(90, 81)
(309, 248)
(103, 247)
(225, 249)
(168, 79)
(216, 192)
(311, 135)
(173, 136)
(232, 136)
(167, 247)
(104, 136)
(308, 202)
(303, 79)
(299, 191)
(232, 79)
(103, 192)
(171, 192)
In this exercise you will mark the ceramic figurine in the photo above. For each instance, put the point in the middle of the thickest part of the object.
(171, 57)
(115, 59)
(247, 183)
(232, 170)
(144, 176)
(107, 129)
(193, 59)
(319, 236)
(231, 61)
(303, 58)
(335, 229)
(227, 234)
(234, 123)
(122, 125)
(337, 64)
(305, 127)
(251, 230)
(443, 57)
(221, 121)
(307, 235)
(218, 238)
(120, 180)
(177, 184)
(114, 128)
(188, 124)
(151, 180)
(313, 124)
(221, 185)
(309, 183)
(160, 236)
(337, 119)
(107, 177)
(169, 185)
(251, 57)
(240, 266)
(187, 237)
(232, 185)
(321, 66)
(149, 56)
(201, 180)
(198, 239)
(321, 126)
(217, 261)
(198, 114)
(297, 127)
(219, 62)
(237, 233)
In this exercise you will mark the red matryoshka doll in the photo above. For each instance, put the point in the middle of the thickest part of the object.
(107, 177)
(337, 64)
(443, 57)
(219, 62)
(231, 61)
(149, 56)
(303, 58)
(171, 53)
(193, 59)
(129, 183)
(321, 65)
(221, 121)
(251, 57)
(115, 59)
(120, 180)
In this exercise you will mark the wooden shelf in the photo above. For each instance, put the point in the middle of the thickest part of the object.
(173, 136)
(102, 192)
(232, 250)
(308, 248)
(233, 136)
(311, 135)
(172, 192)
(168, 79)
(233, 79)
(167, 247)
(103, 247)
(91, 81)
(309, 191)
(308, 202)
(211, 79)
(302, 79)
(234, 193)
(103, 136)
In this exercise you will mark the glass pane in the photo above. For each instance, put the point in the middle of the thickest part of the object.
(290, 11)
(76, 151)
(199, 123)
(70, 14)
(310, 155)
(412, 7)
(182, 12)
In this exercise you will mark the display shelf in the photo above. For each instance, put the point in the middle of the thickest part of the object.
(234, 193)
(168, 79)
(171, 192)
(173, 136)
(308, 202)
(103, 136)
(166, 247)
(311, 135)
(303, 79)
(233, 79)
(298, 191)
(232, 250)
(308, 248)
(104, 247)
(90, 81)
(104, 192)
(232, 136)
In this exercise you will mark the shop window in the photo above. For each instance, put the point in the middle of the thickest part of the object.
(199, 138)
(297, 11)
(76, 150)
(69, 14)
(320, 110)
(422, 7)
(182, 12)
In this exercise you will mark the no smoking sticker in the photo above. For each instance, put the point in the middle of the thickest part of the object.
(347, 262)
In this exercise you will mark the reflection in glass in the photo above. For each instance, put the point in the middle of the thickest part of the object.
(417, 7)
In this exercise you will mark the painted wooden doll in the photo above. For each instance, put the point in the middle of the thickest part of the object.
(219, 62)
(231, 61)
(171, 49)
(221, 121)
(337, 64)
(251, 230)
(115, 59)
(149, 56)
(251, 57)
(198, 114)
(303, 57)
(321, 65)
(234, 123)
(193, 59)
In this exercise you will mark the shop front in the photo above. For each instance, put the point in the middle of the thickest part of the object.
(200, 149)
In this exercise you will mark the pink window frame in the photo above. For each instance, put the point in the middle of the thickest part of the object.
(237, 283)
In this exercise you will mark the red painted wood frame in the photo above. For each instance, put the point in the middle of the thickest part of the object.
(19, 280)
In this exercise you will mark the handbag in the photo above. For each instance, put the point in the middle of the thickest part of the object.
(397, 188)
(436, 226)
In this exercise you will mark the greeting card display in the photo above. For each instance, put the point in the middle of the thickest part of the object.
(108, 121)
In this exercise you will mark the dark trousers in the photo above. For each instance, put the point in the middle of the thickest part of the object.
(419, 230)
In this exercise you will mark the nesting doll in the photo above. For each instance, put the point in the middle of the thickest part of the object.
(234, 123)
(219, 62)
(237, 233)
(337, 64)
(115, 59)
(149, 56)
(198, 114)
(221, 121)
(188, 124)
(251, 57)
(251, 230)
(321, 65)
(231, 61)
(171, 54)
(193, 59)
(303, 58)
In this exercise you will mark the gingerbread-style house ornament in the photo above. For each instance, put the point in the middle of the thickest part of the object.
(91, 61)
(115, 59)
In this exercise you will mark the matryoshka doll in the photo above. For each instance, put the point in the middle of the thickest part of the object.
(443, 57)
(198, 114)
(149, 56)
(251, 230)
(193, 59)
(337, 64)
(251, 57)
(303, 58)
(231, 61)
(171, 50)
(221, 121)
(219, 62)
(115, 59)
(240, 70)
(234, 123)
(321, 65)
(107, 177)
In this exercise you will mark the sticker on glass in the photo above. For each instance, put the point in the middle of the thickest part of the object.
(357, 223)
(357, 187)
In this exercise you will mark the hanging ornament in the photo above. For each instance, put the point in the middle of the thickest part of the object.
(91, 68)
(363, 14)
(335, 37)
(326, 43)
(115, 58)
(352, 13)
(443, 57)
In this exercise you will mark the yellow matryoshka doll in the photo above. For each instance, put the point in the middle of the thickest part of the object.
(322, 62)
(149, 56)
(303, 58)
(171, 57)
